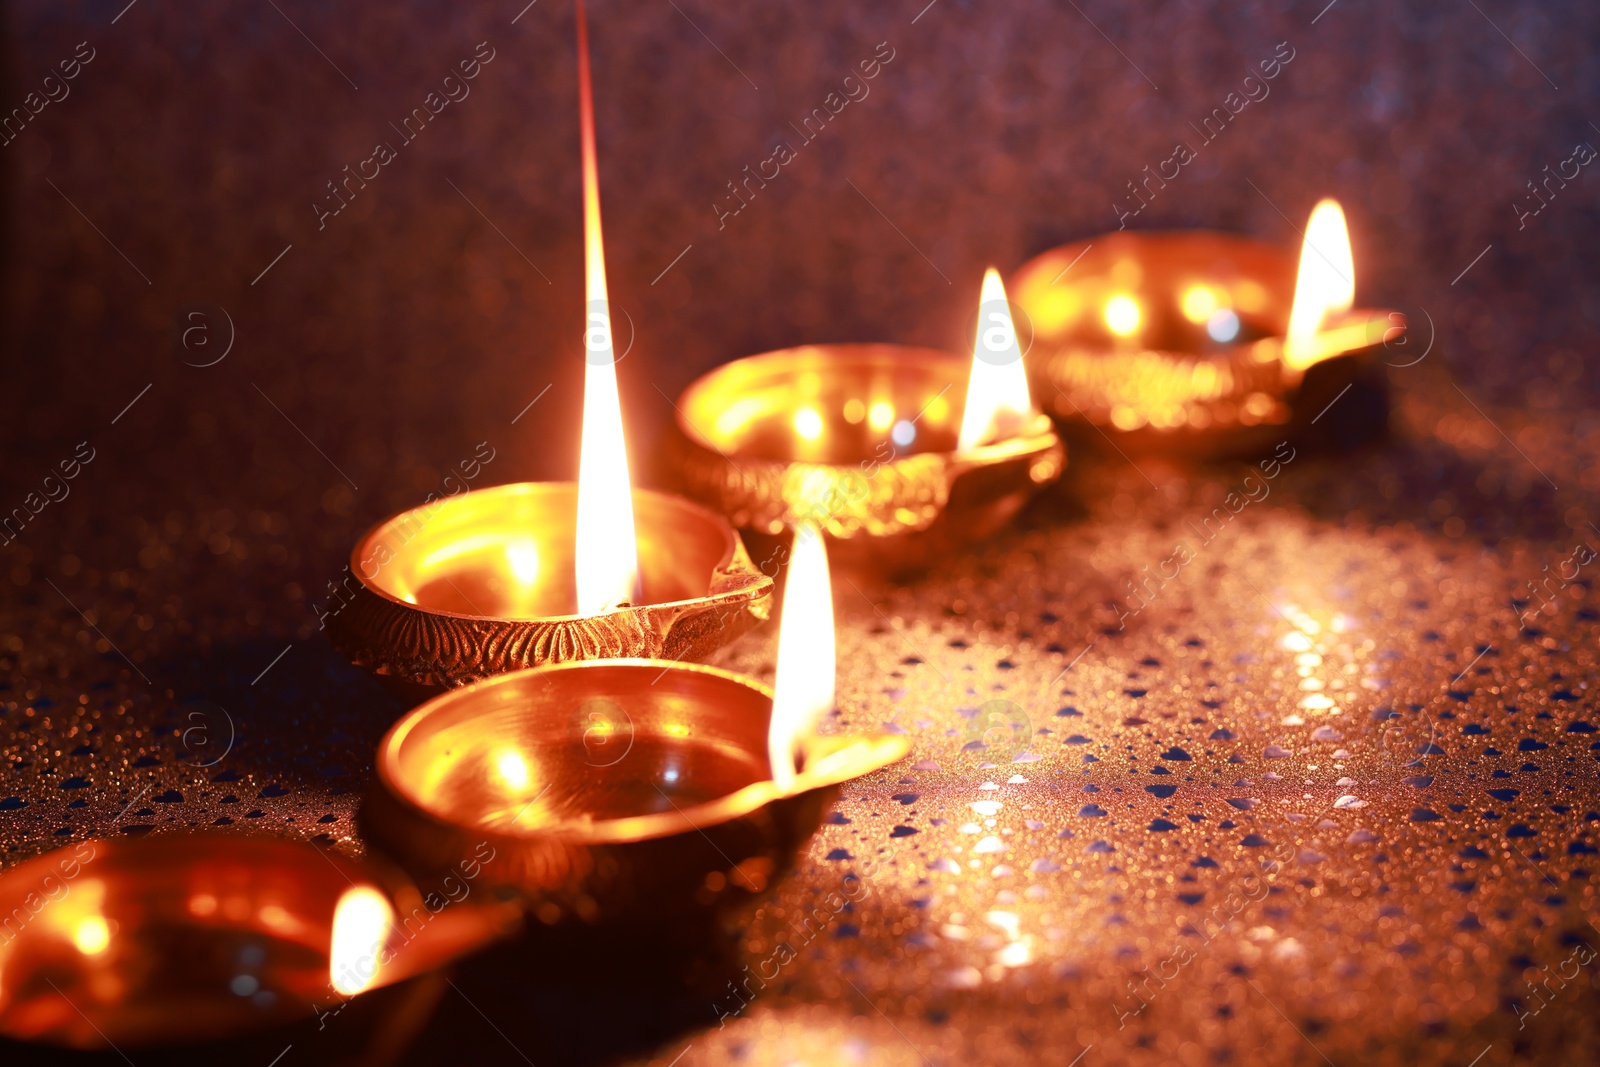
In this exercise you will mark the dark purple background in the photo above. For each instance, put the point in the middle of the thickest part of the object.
(377, 353)
(409, 329)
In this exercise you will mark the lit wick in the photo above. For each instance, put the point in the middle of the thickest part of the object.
(803, 689)
(606, 561)
(362, 921)
(998, 403)
(1325, 284)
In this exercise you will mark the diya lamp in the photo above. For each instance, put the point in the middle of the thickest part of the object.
(1205, 344)
(519, 575)
(630, 793)
(200, 945)
(900, 455)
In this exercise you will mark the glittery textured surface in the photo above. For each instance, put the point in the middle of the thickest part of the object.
(1240, 873)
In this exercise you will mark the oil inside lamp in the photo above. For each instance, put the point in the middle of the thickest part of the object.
(803, 689)
(998, 405)
(606, 556)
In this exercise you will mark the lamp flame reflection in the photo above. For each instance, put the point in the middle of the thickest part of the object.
(361, 923)
(803, 689)
(998, 403)
(513, 769)
(607, 561)
(91, 935)
(1326, 283)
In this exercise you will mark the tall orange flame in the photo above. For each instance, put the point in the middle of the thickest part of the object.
(803, 690)
(1326, 283)
(607, 559)
(998, 404)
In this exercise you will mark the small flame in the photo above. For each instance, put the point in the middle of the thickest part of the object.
(92, 935)
(361, 924)
(607, 556)
(803, 689)
(1326, 282)
(998, 404)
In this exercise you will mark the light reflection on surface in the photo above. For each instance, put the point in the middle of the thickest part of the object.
(1223, 325)
(1198, 302)
(808, 423)
(1308, 643)
(523, 558)
(91, 935)
(513, 769)
(1122, 315)
(880, 416)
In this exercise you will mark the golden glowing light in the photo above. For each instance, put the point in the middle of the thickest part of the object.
(91, 935)
(523, 557)
(854, 410)
(998, 404)
(513, 769)
(79, 918)
(738, 414)
(804, 687)
(1198, 302)
(361, 924)
(1325, 284)
(880, 416)
(808, 424)
(1309, 665)
(1122, 315)
(1055, 307)
(607, 558)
